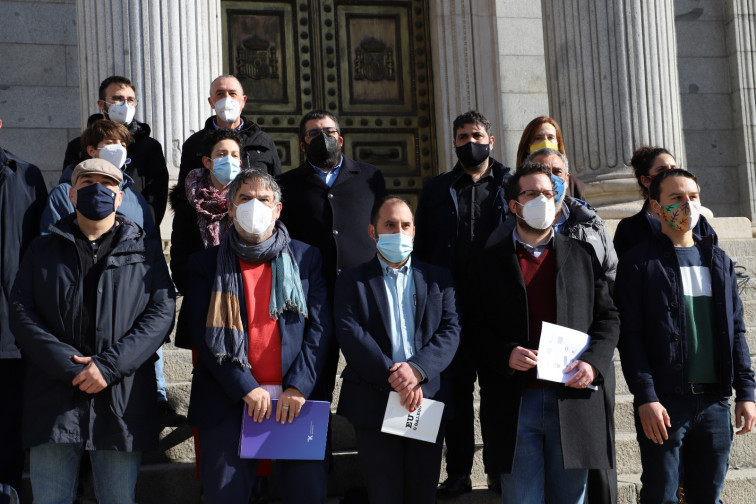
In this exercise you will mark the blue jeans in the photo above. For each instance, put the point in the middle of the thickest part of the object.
(538, 473)
(700, 439)
(54, 472)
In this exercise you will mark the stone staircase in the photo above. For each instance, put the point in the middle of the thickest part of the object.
(168, 475)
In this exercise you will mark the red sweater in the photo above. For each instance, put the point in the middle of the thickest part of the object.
(264, 339)
(539, 274)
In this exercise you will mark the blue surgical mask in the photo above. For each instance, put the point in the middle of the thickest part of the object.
(95, 202)
(395, 247)
(225, 169)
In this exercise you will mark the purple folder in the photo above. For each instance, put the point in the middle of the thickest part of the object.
(303, 439)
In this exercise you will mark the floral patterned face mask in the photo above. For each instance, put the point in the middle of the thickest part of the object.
(682, 216)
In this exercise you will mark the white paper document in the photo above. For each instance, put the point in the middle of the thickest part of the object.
(421, 424)
(559, 347)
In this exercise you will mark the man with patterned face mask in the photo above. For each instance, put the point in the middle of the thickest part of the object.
(227, 100)
(683, 348)
(542, 437)
(145, 161)
(259, 319)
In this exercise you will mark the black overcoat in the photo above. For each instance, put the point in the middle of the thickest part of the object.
(583, 303)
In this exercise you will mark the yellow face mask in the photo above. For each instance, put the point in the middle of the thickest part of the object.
(544, 145)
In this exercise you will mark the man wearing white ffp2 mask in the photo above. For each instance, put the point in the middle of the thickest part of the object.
(145, 161)
(227, 100)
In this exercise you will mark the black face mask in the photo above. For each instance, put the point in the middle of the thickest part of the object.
(472, 154)
(323, 151)
(95, 202)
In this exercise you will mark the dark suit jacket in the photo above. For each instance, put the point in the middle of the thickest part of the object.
(361, 312)
(334, 219)
(583, 303)
(218, 389)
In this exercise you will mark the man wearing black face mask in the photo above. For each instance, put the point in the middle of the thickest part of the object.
(456, 213)
(91, 304)
(328, 200)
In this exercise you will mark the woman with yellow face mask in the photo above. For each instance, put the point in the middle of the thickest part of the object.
(544, 132)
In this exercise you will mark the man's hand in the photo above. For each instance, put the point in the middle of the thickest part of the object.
(655, 420)
(258, 404)
(584, 376)
(522, 359)
(404, 376)
(89, 379)
(412, 399)
(405, 379)
(745, 416)
(289, 405)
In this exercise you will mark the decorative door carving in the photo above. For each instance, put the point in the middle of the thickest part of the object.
(368, 62)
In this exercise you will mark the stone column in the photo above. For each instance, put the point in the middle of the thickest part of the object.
(613, 86)
(171, 51)
(742, 33)
(465, 68)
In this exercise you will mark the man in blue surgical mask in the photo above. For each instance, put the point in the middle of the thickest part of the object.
(91, 305)
(396, 323)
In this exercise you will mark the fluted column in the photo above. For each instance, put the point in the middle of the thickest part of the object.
(613, 86)
(171, 50)
(465, 68)
(741, 14)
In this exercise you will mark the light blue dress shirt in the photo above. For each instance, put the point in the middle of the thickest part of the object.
(329, 177)
(400, 292)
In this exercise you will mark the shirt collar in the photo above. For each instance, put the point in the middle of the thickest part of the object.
(538, 248)
(387, 269)
(334, 170)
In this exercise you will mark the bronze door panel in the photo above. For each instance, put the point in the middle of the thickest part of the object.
(368, 62)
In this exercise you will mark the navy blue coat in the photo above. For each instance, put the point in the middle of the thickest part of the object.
(135, 311)
(334, 219)
(22, 198)
(218, 389)
(653, 343)
(361, 319)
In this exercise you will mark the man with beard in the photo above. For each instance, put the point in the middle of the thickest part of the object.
(457, 212)
(328, 200)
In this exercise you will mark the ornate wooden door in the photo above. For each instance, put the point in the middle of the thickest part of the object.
(367, 62)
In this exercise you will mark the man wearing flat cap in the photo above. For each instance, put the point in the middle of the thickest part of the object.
(91, 304)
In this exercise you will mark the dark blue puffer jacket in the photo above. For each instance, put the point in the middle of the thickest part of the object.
(135, 311)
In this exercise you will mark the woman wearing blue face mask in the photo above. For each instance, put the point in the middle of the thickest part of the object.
(200, 210)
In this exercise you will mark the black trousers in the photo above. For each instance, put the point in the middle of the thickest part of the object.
(397, 469)
(11, 398)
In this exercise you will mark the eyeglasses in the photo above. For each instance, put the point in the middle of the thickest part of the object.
(312, 133)
(533, 194)
(117, 100)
